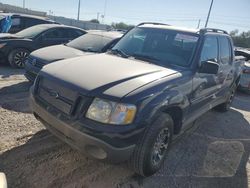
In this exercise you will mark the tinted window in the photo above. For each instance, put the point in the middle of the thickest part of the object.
(225, 50)
(55, 34)
(31, 22)
(210, 49)
(90, 42)
(16, 21)
(73, 33)
(32, 31)
(159, 46)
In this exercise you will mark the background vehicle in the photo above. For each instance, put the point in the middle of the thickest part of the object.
(245, 76)
(92, 42)
(23, 21)
(129, 102)
(15, 48)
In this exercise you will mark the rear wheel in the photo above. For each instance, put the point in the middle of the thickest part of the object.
(152, 149)
(224, 107)
(18, 57)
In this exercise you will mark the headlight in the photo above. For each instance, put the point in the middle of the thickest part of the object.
(105, 111)
(2, 45)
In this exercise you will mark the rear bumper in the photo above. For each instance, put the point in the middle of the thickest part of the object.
(87, 144)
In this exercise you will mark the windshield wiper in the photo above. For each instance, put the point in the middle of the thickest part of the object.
(120, 52)
(90, 50)
(143, 57)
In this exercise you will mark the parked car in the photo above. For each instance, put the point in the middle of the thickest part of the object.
(15, 48)
(245, 76)
(92, 42)
(128, 103)
(23, 21)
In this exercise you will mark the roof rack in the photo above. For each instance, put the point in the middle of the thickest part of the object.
(153, 23)
(204, 30)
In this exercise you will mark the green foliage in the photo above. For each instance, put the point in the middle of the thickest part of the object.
(94, 21)
(241, 39)
(121, 25)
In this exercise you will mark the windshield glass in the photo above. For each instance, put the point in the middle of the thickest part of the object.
(90, 42)
(159, 46)
(32, 32)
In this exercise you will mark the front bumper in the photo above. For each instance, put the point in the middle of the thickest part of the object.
(87, 144)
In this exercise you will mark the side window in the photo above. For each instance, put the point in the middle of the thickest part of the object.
(210, 49)
(54, 34)
(225, 50)
(16, 23)
(75, 33)
(32, 21)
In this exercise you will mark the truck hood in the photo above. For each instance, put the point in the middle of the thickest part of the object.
(105, 74)
(57, 52)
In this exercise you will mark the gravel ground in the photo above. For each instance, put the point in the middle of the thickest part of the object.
(215, 153)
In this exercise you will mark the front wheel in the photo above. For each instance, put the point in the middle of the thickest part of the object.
(18, 57)
(224, 107)
(152, 149)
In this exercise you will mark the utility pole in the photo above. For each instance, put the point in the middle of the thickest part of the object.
(209, 12)
(23, 3)
(199, 24)
(98, 14)
(105, 8)
(79, 7)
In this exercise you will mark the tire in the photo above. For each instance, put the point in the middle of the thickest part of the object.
(224, 107)
(18, 57)
(145, 160)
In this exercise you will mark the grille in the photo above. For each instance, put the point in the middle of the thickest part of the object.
(56, 95)
(36, 62)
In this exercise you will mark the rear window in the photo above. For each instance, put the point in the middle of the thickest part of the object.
(90, 42)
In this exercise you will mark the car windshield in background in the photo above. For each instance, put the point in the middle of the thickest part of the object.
(32, 32)
(90, 42)
(162, 47)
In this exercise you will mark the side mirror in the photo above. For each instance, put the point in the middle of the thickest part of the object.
(209, 67)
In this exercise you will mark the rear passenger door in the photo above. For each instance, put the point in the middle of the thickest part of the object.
(53, 37)
(226, 71)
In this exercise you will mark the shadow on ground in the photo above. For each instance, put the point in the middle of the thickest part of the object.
(6, 71)
(14, 97)
(216, 154)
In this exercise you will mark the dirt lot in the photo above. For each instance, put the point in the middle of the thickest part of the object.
(214, 154)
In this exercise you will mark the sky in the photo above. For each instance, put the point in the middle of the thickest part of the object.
(226, 14)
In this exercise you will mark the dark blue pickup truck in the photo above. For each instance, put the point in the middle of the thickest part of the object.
(128, 103)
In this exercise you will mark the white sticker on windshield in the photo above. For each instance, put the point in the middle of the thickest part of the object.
(190, 38)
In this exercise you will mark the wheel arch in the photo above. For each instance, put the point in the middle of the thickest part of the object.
(177, 115)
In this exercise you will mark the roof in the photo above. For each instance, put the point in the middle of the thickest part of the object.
(169, 27)
(57, 25)
(27, 16)
(108, 34)
(183, 29)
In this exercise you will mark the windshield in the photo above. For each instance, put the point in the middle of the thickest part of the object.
(90, 42)
(160, 46)
(32, 32)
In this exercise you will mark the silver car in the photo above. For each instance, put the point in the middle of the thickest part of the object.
(245, 77)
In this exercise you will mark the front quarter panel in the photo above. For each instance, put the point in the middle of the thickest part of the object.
(173, 91)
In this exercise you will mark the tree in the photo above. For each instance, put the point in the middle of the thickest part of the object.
(121, 25)
(94, 21)
(241, 39)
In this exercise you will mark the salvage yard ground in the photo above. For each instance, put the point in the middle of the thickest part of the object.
(215, 153)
